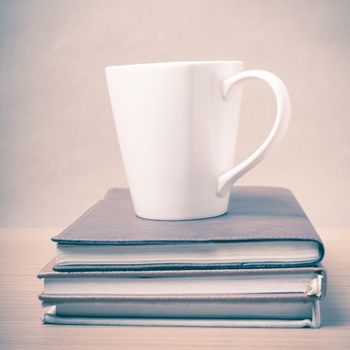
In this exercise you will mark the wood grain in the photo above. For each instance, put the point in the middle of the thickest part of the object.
(24, 251)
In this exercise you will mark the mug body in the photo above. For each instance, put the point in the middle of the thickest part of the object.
(177, 135)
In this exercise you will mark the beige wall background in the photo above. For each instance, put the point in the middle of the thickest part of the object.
(58, 147)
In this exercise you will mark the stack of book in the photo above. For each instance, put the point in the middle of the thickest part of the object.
(256, 266)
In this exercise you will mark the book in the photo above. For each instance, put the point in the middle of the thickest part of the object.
(274, 297)
(306, 281)
(257, 313)
(264, 227)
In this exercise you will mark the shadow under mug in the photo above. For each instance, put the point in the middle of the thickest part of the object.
(177, 128)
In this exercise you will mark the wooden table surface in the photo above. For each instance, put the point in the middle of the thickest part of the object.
(24, 251)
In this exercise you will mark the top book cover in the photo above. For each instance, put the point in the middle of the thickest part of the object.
(264, 226)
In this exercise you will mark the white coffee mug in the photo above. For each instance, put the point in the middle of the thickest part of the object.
(177, 128)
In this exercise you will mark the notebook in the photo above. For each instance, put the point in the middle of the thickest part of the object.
(264, 227)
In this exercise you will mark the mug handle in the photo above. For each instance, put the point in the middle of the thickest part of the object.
(226, 180)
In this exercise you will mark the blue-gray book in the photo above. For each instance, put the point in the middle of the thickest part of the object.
(264, 227)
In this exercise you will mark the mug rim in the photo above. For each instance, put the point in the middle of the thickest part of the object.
(175, 63)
